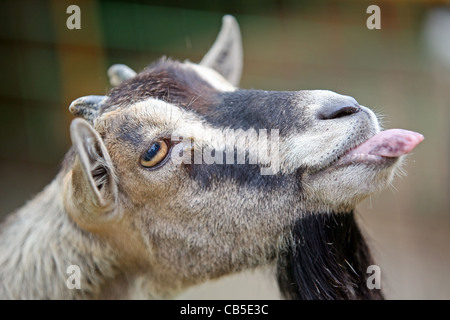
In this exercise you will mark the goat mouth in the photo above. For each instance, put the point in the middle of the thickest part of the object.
(383, 148)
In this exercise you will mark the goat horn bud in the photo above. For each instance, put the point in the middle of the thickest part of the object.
(87, 107)
(119, 73)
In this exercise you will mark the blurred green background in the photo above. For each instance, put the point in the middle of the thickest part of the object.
(401, 71)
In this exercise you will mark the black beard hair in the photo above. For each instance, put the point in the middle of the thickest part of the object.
(327, 260)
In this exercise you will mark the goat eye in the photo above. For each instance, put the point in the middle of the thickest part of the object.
(155, 154)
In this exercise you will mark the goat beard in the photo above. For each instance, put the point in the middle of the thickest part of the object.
(327, 259)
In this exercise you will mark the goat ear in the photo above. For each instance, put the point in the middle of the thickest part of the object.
(93, 187)
(225, 56)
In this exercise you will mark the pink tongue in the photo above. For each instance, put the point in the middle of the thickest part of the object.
(390, 143)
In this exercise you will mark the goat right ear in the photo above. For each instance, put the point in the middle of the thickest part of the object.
(93, 188)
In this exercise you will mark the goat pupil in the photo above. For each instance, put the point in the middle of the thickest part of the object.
(152, 152)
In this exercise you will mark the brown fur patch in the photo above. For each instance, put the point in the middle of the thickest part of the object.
(169, 81)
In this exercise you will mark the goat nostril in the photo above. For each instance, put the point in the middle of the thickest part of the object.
(345, 111)
(338, 112)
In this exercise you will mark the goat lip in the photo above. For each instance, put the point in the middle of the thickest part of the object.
(361, 158)
(384, 146)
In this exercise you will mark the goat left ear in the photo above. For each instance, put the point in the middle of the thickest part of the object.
(225, 56)
(93, 188)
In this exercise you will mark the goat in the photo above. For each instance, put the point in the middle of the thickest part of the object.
(137, 221)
